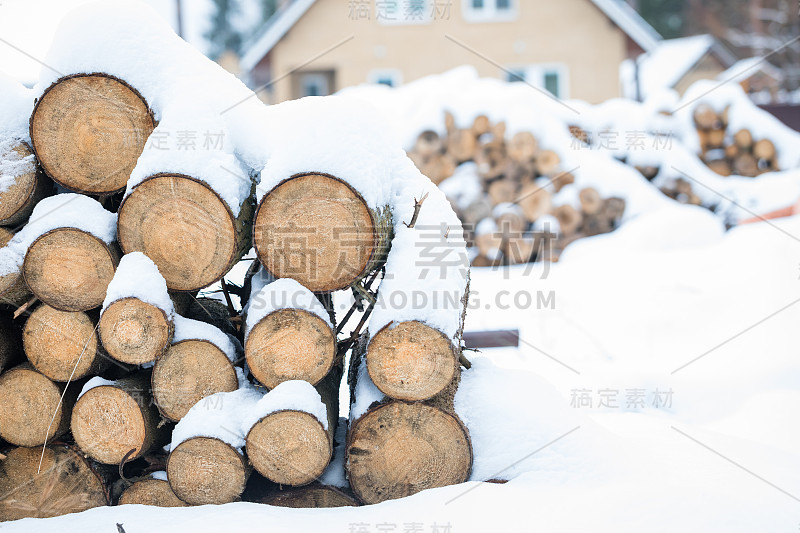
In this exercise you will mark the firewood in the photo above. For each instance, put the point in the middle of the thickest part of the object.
(596, 224)
(17, 201)
(649, 172)
(706, 118)
(13, 289)
(10, 343)
(745, 165)
(733, 150)
(150, 491)
(562, 179)
(502, 191)
(205, 470)
(411, 361)
(88, 130)
(134, 332)
(579, 133)
(386, 444)
(184, 226)
(722, 166)
(30, 402)
(614, 209)
(569, 219)
(189, 371)
(438, 167)
(343, 239)
(534, 201)
(211, 311)
(290, 344)
(70, 269)
(743, 139)
(314, 496)
(591, 201)
(481, 125)
(764, 149)
(460, 143)
(716, 138)
(483, 261)
(520, 249)
(291, 447)
(547, 163)
(62, 345)
(428, 144)
(510, 219)
(109, 421)
(523, 147)
(65, 483)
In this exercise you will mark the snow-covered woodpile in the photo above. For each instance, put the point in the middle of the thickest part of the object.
(518, 217)
(120, 384)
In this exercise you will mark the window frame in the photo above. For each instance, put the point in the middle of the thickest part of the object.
(489, 12)
(394, 73)
(534, 74)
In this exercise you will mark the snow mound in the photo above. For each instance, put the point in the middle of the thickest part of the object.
(282, 294)
(294, 395)
(188, 329)
(138, 277)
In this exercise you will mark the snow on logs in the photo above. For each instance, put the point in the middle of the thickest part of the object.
(136, 323)
(288, 334)
(22, 185)
(88, 130)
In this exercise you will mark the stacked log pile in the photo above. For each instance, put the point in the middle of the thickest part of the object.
(107, 355)
(520, 216)
(729, 152)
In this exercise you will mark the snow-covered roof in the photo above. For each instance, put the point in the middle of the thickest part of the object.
(622, 14)
(664, 66)
(745, 68)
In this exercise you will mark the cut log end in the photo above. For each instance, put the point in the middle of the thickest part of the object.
(13, 290)
(64, 484)
(30, 401)
(62, 344)
(69, 269)
(289, 447)
(399, 449)
(189, 371)
(290, 344)
(134, 332)
(312, 497)
(88, 131)
(411, 361)
(316, 229)
(17, 201)
(204, 470)
(155, 492)
(183, 226)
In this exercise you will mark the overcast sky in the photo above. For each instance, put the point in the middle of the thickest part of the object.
(29, 25)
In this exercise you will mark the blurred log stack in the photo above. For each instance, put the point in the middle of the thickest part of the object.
(519, 216)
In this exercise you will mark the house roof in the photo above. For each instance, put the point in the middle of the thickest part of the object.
(745, 68)
(664, 66)
(619, 11)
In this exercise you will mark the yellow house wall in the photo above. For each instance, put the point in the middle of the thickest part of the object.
(572, 32)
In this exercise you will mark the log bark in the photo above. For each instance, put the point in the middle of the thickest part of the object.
(88, 131)
(313, 496)
(70, 269)
(13, 290)
(745, 165)
(397, 448)
(10, 343)
(155, 492)
(204, 470)
(290, 344)
(17, 202)
(184, 226)
(30, 402)
(66, 483)
(411, 361)
(318, 230)
(292, 447)
(134, 332)
(189, 371)
(62, 344)
(109, 421)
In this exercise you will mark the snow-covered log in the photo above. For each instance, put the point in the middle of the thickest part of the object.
(88, 130)
(115, 420)
(63, 345)
(288, 334)
(199, 363)
(22, 185)
(32, 413)
(136, 323)
(13, 290)
(70, 482)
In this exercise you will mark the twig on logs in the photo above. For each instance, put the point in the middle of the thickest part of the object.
(459, 336)
(357, 304)
(24, 307)
(228, 301)
(417, 207)
(122, 465)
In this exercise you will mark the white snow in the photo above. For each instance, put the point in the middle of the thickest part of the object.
(161, 474)
(282, 294)
(16, 107)
(188, 329)
(138, 277)
(670, 61)
(294, 395)
(218, 416)
(334, 474)
(66, 210)
(12, 164)
(366, 393)
(96, 381)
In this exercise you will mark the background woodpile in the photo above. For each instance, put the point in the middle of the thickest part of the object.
(63, 453)
(518, 218)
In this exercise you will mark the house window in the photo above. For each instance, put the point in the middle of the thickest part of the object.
(391, 77)
(315, 83)
(553, 77)
(489, 10)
